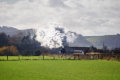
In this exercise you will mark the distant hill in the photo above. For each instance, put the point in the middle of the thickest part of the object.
(9, 30)
(111, 41)
(79, 40)
(13, 31)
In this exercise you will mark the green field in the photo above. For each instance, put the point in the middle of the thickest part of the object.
(2, 58)
(60, 70)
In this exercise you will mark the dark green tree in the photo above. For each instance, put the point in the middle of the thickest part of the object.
(37, 53)
(3, 40)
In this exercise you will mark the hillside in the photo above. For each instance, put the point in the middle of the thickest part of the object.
(111, 41)
(13, 31)
(77, 40)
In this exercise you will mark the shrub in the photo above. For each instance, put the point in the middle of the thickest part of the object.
(9, 50)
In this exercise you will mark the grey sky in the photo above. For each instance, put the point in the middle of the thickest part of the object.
(87, 17)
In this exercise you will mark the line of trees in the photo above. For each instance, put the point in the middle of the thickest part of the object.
(26, 45)
(19, 45)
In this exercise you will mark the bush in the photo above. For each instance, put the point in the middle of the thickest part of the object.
(9, 50)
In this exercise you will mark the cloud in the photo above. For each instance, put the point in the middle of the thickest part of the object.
(57, 3)
(87, 17)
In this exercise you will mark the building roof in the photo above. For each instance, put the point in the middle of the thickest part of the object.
(80, 48)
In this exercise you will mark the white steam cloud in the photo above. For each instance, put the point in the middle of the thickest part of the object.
(54, 36)
(51, 36)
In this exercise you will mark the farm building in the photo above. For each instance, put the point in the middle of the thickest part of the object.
(78, 53)
(80, 49)
(70, 50)
(77, 49)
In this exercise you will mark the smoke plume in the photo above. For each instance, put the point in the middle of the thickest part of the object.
(54, 36)
(51, 36)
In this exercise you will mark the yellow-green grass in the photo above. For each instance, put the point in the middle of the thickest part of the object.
(20, 57)
(60, 70)
(31, 57)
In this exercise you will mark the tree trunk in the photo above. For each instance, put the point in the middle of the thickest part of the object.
(18, 57)
(7, 57)
(43, 56)
(53, 57)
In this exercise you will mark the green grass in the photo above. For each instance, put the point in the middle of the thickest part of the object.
(60, 70)
(31, 57)
(21, 57)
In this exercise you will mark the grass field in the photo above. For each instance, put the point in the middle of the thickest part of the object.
(32, 57)
(60, 70)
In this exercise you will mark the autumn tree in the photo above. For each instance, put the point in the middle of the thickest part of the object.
(9, 51)
(13, 50)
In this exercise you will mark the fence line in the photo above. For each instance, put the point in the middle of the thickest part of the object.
(63, 57)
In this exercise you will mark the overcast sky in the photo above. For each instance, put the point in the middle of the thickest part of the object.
(87, 17)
